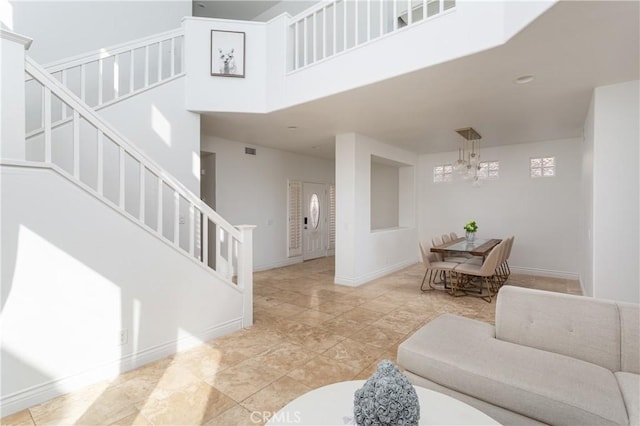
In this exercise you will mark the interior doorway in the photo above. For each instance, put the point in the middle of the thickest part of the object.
(208, 195)
(208, 178)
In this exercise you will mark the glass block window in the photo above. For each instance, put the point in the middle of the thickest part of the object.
(443, 173)
(542, 167)
(489, 170)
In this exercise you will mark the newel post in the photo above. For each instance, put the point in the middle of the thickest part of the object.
(245, 273)
(12, 103)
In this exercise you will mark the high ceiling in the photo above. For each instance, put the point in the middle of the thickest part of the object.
(231, 9)
(572, 48)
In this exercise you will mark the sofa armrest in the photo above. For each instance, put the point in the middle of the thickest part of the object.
(576, 326)
(463, 355)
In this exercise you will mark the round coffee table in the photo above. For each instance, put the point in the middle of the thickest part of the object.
(333, 405)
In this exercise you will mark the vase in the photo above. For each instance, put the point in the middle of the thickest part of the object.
(470, 236)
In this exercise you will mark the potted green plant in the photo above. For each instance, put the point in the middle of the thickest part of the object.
(470, 230)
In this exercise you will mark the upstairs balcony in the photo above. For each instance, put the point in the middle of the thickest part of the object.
(338, 46)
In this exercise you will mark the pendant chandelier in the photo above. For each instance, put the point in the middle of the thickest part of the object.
(468, 163)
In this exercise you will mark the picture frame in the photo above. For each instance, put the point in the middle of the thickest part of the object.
(227, 53)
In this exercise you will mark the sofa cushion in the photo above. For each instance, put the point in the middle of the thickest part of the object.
(630, 334)
(576, 326)
(463, 355)
(630, 386)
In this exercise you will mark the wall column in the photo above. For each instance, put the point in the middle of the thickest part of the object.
(616, 199)
(12, 120)
(346, 207)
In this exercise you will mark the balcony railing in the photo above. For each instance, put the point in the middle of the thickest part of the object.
(341, 25)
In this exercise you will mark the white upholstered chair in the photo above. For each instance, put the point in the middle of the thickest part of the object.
(466, 272)
(435, 268)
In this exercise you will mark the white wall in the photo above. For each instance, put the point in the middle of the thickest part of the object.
(12, 95)
(205, 92)
(363, 254)
(61, 29)
(543, 213)
(269, 86)
(74, 273)
(616, 198)
(158, 124)
(385, 181)
(586, 204)
(253, 189)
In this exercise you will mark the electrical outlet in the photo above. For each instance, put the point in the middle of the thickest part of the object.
(124, 336)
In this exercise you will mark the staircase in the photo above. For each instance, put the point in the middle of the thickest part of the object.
(124, 261)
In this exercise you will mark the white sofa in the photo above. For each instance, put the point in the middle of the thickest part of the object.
(551, 358)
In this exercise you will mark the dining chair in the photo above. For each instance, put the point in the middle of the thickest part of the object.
(501, 270)
(506, 261)
(453, 235)
(465, 272)
(446, 238)
(433, 268)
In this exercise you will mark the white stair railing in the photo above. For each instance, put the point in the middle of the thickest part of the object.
(90, 152)
(337, 26)
(112, 74)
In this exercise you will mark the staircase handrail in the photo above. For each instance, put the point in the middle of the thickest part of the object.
(96, 55)
(64, 94)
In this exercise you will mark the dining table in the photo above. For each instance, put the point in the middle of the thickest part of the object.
(478, 247)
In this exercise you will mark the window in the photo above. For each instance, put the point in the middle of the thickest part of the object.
(489, 170)
(295, 218)
(442, 173)
(332, 217)
(542, 167)
(314, 211)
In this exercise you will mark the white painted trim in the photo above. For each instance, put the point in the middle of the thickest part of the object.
(62, 92)
(225, 22)
(584, 293)
(46, 391)
(366, 43)
(25, 166)
(17, 38)
(84, 58)
(392, 229)
(287, 262)
(355, 282)
(545, 273)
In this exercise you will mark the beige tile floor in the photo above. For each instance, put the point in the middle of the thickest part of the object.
(308, 332)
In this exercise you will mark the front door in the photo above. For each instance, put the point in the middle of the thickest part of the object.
(314, 224)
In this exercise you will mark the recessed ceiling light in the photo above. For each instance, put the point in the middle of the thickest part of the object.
(524, 79)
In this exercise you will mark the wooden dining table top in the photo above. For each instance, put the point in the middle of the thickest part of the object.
(480, 247)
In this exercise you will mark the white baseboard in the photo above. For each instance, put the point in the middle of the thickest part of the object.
(40, 393)
(584, 293)
(279, 264)
(362, 279)
(545, 273)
